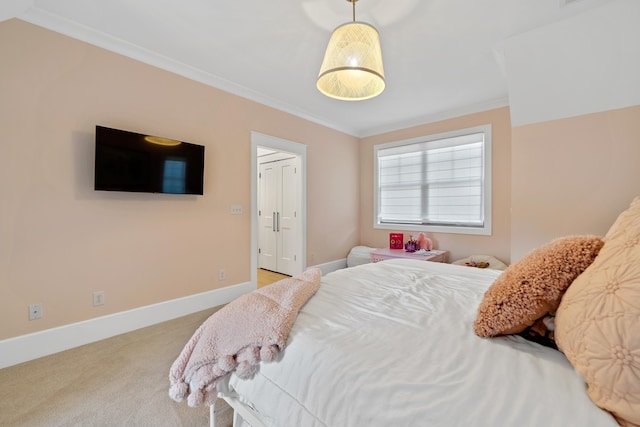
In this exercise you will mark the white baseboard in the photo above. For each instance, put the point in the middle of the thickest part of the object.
(332, 266)
(38, 344)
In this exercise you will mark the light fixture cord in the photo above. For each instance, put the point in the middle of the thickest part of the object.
(353, 6)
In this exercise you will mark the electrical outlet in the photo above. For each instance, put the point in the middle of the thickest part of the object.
(236, 209)
(221, 274)
(98, 298)
(35, 311)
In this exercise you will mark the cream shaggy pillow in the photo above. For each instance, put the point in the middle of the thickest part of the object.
(598, 321)
(533, 286)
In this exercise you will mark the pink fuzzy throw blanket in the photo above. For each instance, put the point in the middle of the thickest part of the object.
(250, 329)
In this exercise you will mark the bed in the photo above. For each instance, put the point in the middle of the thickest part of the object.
(414, 343)
(392, 344)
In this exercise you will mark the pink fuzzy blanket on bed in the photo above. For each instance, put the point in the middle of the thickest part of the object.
(250, 329)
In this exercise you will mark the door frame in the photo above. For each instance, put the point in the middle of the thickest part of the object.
(300, 150)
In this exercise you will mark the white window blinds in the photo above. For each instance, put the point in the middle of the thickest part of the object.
(435, 182)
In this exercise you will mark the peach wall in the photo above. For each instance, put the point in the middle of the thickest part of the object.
(60, 240)
(573, 176)
(458, 245)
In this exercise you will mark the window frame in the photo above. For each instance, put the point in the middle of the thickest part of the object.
(485, 229)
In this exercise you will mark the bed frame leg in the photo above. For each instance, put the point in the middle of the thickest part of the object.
(212, 415)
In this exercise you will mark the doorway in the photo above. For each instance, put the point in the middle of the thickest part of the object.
(266, 277)
(283, 224)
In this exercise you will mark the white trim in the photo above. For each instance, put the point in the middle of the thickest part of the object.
(438, 117)
(53, 22)
(45, 19)
(278, 144)
(243, 411)
(38, 344)
(328, 267)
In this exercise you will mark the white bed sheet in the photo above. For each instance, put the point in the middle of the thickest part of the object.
(392, 344)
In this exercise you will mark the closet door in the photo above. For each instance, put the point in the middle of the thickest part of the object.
(267, 215)
(286, 217)
(278, 217)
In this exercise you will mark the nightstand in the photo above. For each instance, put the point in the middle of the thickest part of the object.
(386, 253)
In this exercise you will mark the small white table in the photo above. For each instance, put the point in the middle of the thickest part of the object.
(386, 253)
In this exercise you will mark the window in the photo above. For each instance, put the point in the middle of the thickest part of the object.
(438, 183)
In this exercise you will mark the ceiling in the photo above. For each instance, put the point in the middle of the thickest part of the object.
(442, 58)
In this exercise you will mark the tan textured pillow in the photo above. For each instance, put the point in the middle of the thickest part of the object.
(534, 285)
(598, 321)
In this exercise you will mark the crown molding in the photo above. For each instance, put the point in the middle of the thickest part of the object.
(77, 31)
(438, 117)
(58, 24)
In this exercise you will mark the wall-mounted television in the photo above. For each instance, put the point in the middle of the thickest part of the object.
(129, 161)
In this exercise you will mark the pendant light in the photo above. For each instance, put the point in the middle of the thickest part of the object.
(352, 66)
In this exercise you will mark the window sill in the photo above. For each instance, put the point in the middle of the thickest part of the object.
(476, 231)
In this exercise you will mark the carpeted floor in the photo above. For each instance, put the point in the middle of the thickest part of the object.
(121, 381)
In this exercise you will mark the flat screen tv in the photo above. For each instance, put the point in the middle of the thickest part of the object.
(128, 161)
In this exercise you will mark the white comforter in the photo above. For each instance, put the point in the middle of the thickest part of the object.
(392, 344)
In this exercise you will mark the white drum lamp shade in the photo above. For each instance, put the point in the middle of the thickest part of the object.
(352, 66)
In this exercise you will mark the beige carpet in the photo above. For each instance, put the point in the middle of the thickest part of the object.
(121, 381)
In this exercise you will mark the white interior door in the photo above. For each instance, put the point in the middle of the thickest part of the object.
(267, 207)
(286, 217)
(278, 205)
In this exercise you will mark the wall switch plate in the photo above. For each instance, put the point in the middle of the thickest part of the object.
(98, 298)
(35, 311)
(236, 209)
